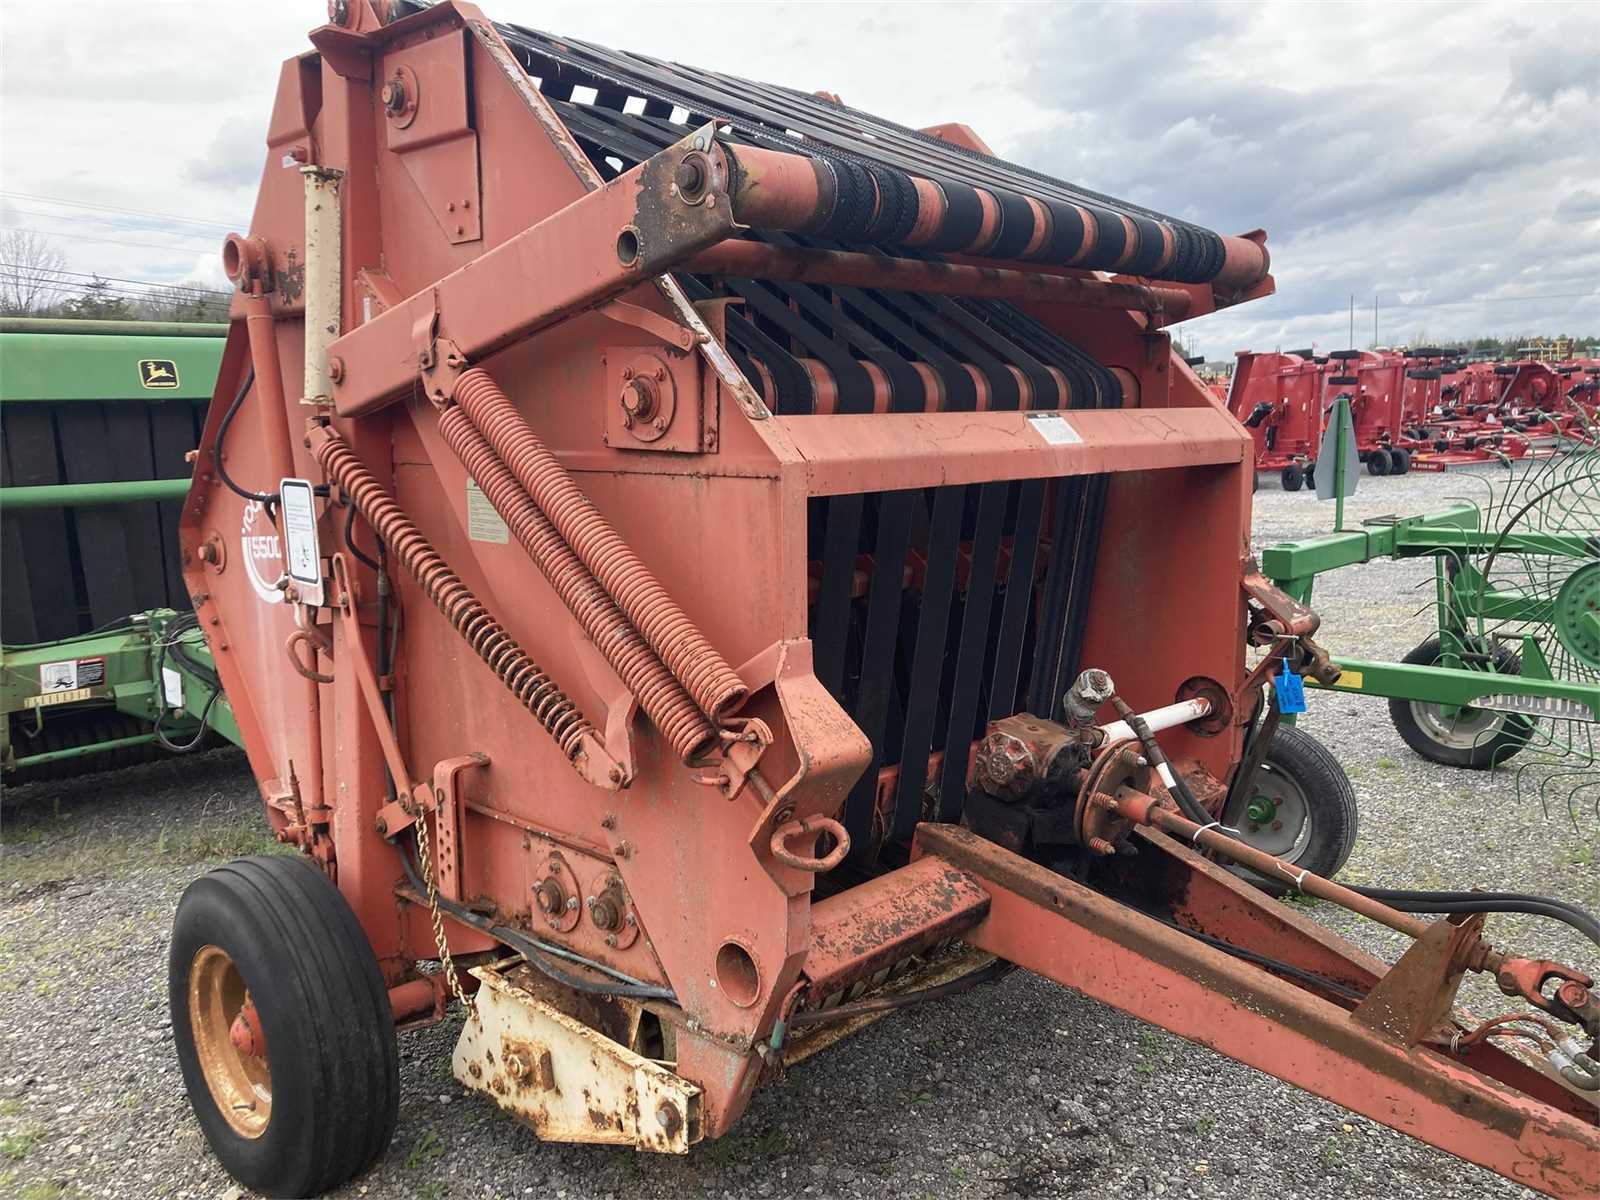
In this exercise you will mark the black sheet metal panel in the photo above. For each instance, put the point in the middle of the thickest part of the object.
(40, 600)
(174, 431)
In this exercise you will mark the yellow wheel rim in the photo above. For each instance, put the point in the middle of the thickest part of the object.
(240, 1081)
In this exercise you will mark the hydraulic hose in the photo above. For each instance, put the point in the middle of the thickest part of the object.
(219, 459)
(1158, 759)
(691, 658)
(1487, 902)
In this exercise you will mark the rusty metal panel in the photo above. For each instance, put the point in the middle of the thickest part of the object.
(566, 1081)
(869, 928)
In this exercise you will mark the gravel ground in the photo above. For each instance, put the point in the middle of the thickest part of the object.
(1021, 1089)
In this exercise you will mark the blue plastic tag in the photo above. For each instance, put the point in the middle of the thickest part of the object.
(1291, 691)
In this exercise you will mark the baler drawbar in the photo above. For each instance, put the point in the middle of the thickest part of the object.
(696, 567)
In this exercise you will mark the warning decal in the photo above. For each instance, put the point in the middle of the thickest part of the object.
(483, 523)
(71, 674)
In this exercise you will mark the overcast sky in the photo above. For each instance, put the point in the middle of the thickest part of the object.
(1443, 158)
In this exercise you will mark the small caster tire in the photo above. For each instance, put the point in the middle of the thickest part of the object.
(1302, 810)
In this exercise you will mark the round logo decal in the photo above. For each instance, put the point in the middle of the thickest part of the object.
(262, 552)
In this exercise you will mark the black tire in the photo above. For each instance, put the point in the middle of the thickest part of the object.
(1344, 355)
(1255, 481)
(1378, 462)
(1424, 373)
(1293, 477)
(1487, 739)
(1505, 369)
(1399, 460)
(306, 967)
(1297, 765)
(1311, 475)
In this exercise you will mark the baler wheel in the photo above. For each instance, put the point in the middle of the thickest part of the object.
(1399, 460)
(1476, 738)
(1293, 477)
(1302, 809)
(282, 1025)
(1378, 462)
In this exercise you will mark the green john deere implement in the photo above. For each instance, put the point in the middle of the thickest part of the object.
(1512, 668)
(97, 419)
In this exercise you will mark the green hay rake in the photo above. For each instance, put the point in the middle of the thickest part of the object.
(1512, 669)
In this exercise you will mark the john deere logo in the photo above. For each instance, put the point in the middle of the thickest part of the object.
(158, 373)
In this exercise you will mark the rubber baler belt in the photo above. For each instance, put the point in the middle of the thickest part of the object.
(781, 119)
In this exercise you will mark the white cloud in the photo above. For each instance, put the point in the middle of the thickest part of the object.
(1431, 152)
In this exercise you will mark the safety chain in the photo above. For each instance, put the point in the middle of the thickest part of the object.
(445, 960)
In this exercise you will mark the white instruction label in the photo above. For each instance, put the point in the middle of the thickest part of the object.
(302, 555)
(1055, 429)
(172, 687)
(483, 523)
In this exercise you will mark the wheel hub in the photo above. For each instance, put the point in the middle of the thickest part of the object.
(1577, 614)
(228, 1042)
(1276, 818)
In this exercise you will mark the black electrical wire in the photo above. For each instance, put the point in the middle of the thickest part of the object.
(193, 743)
(537, 952)
(176, 628)
(108, 627)
(350, 536)
(1487, 902)
(267, 498)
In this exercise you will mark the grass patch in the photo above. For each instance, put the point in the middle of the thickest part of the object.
(424, 1150)
(19, 1143)
(1331, 1157)
(96, 853)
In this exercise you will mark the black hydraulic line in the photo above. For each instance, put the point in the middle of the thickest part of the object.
(1277, 966)
(218, 457)
(1487, 902)
(537, 952)
(1158, 759)
(350, 539)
